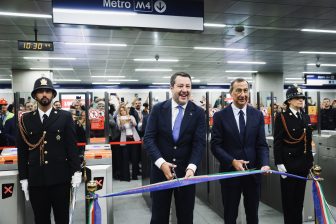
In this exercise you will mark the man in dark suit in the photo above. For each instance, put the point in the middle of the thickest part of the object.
(239, 143)
(175, 141)
(48, 158)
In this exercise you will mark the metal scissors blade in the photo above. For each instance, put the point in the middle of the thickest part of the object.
(174, 174)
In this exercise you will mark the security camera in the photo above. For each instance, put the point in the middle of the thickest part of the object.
(239, 28)
(157, 57)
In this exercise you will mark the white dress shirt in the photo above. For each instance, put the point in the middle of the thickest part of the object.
(236, 111)
(175, 111)
(41, 113)
(294, 111)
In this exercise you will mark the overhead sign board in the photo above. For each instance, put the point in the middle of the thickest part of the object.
(316, 79)
(165, 14)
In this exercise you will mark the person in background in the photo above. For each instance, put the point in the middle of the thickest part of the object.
(175, 141)
(29, 106)
(10, 130)
(293, 153)
(238, 142)
(114, 136)
(218, 102)
(80, 132)
(334, 104)
(145, 111)
(57, 105)
(127, 126)
(5, 115)
(328, 116)
(48, 161)
(136, 112)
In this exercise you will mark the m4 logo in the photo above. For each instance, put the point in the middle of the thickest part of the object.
(143, 6)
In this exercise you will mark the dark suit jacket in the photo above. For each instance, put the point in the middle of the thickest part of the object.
(226, 144)
(158, 139)
(292, 155)
(60, 150)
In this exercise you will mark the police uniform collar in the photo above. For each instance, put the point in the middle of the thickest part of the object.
(41, 113)
(294, 111)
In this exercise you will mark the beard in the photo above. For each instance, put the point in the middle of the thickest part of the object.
(44, 101)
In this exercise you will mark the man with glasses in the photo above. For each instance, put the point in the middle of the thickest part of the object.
(239, 143)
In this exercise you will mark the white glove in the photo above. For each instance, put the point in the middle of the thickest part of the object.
(76, 179)
(282, 168)
(24, 187)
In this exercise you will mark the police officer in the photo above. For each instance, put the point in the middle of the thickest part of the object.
(47, 156)
(293, 153)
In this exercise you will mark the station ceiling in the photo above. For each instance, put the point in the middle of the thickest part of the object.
(272, 34)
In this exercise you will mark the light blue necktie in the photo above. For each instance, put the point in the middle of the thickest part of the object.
(177, 123)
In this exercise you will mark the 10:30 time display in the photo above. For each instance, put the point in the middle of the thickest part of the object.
(35, 45)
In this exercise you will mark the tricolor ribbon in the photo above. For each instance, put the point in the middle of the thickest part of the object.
(94, 211)
(323, 214)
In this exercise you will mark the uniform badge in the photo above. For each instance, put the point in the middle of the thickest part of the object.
(43, 82)
(58, 137)
(55, 112)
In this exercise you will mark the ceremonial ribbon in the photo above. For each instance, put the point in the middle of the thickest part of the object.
(94, 211)
(320, 208)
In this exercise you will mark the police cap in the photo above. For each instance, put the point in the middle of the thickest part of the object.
(43, 83)
(294, 92)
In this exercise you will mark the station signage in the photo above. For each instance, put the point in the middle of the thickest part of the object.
(164, 14)
(317, 79)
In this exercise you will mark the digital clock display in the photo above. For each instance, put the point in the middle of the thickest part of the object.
(35, 45)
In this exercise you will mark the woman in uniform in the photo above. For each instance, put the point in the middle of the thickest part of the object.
(293, 153)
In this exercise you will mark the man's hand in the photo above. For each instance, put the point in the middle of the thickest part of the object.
(24, 187)
(282, 168)
(266, 168)
(76, 179)
(189, 173)
(166, 169)
(239, 164)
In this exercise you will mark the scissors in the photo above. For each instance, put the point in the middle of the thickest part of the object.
(174, 174)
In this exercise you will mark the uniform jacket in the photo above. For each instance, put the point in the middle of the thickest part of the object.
(226, 144)
(292, 155)
(159, 142)
(60, 151)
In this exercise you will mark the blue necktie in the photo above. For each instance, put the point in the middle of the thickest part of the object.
(177, 123)
(241, 124)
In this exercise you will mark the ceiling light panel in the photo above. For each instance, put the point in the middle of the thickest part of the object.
(219, 49)
(31, 15)
(247, 62)
(318, 31)
(153, 70)
(317, 52)
(96, 44)
(240, 71)
(48, 58)
(154, 60)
